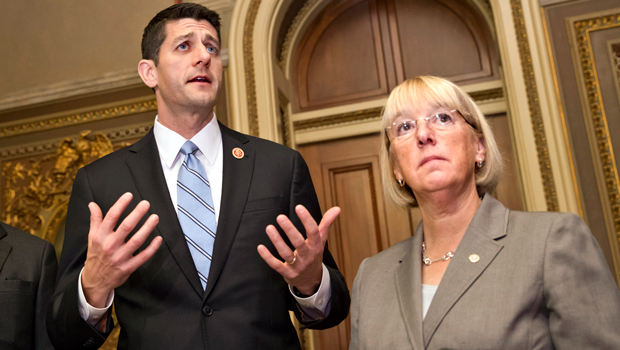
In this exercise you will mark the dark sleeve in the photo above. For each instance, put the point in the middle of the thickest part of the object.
(65, 326)
(580, 293)
(49, 266)
(303, 193)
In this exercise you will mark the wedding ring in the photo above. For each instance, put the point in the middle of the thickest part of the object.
(294, 258)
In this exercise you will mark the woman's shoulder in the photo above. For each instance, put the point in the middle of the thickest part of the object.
(544, 219)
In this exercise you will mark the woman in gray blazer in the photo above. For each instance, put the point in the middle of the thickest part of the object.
(475, 275)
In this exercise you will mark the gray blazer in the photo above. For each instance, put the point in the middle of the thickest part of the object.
(541, 283)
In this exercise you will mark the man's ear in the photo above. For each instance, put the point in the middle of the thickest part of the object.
(148, 72)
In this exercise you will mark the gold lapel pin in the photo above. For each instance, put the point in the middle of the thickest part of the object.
(238, 153)
(474, 258)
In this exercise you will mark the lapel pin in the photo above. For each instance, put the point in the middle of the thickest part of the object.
(474, 258)
(238, 153)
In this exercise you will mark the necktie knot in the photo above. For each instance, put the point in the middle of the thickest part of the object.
(188, 148)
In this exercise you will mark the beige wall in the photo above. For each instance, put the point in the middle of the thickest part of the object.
(46, 42)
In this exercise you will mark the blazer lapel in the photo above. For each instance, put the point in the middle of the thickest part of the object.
(488, 224)
(235, 188)
(148, 176)
(409, 290)
(5, 248)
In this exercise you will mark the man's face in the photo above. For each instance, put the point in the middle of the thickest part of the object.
(189, 74)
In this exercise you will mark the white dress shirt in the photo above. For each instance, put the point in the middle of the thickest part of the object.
(210, 153)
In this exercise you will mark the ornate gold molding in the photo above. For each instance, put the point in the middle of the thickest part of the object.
(285, 121)
(544, 161)
(371, 113)
(288, 39)
(36, 191)
(485, 95)
(375, 113)
(248, 59)
(78, 118)
(50, 146)
(583, 29)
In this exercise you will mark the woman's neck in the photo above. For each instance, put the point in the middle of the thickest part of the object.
(446, 216)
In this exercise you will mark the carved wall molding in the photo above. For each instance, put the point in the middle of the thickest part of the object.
(297, 21)
(73, 88)
(55, 122)
(375, 113)
(487, 95)
(115, 135)
(36, 191)
(544, 161)
(614, 55)
(365, 114)
(583, 28)
(285, 120)
(248, 59)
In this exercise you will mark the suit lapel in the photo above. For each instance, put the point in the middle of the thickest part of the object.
(145, 167)
(408, 287)
(488, 225)
(5, 248)
(235, 188)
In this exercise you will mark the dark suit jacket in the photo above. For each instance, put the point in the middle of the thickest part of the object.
(27, 275)
(541, 283)
(162, 304)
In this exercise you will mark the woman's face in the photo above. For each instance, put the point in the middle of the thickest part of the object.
(433, 157)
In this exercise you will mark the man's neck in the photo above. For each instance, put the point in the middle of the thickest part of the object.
(185, 124)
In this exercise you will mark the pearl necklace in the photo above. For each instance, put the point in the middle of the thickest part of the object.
(427, 261)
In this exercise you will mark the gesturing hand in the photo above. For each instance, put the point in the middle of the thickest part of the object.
(302, 268)
(109, 260)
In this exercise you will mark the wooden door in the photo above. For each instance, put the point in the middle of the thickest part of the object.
(346, 173)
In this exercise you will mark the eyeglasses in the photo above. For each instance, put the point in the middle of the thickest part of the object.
(440, 121)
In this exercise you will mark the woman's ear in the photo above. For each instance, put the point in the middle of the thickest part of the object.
(148, 72)
(481, 150)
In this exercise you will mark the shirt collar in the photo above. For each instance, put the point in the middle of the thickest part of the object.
(169, 142)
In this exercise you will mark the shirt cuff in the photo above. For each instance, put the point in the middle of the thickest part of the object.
(319, 301)
(91, 314)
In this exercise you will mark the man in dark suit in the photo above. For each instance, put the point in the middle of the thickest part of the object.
(163, 297)
(27, 274)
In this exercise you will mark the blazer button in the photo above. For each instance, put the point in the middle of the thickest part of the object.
(207, 310)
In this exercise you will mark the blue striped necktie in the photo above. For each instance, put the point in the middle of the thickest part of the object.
(196, 212)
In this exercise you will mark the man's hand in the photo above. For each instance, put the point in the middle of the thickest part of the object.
(302, 268)
(109, 260)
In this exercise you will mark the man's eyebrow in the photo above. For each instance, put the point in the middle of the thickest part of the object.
(184, 37)
(212, 38)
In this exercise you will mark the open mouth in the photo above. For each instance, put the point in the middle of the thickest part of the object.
(200, 79)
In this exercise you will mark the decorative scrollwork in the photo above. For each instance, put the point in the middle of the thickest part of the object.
(601, 130)
(34, 190)
(544, 161)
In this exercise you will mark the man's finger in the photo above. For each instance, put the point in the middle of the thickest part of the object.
(95, 217)
(312, 229)
(291, 231)
(272, 261)
(283, 249)
(115, 212)
(328, 219)
(141, 235)
(135, 262)
(131, 220)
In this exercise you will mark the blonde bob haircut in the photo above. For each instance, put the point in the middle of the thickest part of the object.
(442, 94)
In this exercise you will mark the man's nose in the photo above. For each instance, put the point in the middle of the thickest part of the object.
(203, 55)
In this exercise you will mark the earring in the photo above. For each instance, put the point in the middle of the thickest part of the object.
(480, 163)
(401, 182)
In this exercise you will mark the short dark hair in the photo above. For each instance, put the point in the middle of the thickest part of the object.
(155, 32)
